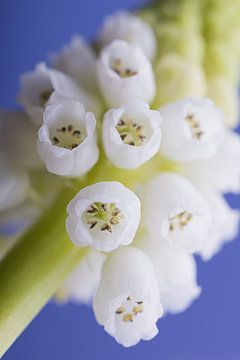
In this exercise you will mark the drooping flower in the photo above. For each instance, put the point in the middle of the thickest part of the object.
(67, 140)
(77, 59)
(126, 26)
(176, 211)
(103, 215)
(45, 86)
(176, 274)
(222, 171)
(18, 138)
(125, 74)
(80, 285)
(127, 301)
(192, 129)
(131, 134)
(14, 184)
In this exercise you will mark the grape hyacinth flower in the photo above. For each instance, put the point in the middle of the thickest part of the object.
(67, 139)
(103, 215)
(125, 74)
(123, 147)
(128, 304)
(131, 134)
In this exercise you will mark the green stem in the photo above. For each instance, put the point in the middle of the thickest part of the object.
(33, 270)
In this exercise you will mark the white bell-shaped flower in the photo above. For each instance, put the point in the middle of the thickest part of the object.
(14, 184)
(222, 171)
(127, 301)
(192, 129)
(126, 26)
(225, 224)
(103, 215)
(18, 138)
(125, 74)
(45, 86)
(176, 274)
(80, 285)
(67, 140)
(176, 211)
(77, 59)
(131, 134)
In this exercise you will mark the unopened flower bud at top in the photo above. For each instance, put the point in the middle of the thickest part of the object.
(125, 74)
(131, 134)
(127, 301)
(67, 139)
(126, 26)
(103, 215)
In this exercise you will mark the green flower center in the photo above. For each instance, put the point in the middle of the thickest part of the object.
(67, 136)
(179, 220)
(102, 216)
(131, 132)
(194, 126)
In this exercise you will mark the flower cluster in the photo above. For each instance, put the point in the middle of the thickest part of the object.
(91, 118)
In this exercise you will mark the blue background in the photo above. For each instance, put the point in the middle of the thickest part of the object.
(210, 329)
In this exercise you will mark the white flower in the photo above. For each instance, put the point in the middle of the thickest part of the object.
(192, 129)
(103, 215)
(176, 274)
(81, 284)
(67, 139)
(225, 224)
(18, 138)
(127, 300)
(176, 211)
(126, 26)
(125, 74)
(131, 134)
(45, 86)
(222, 171)
(14, 184)
(77, 59)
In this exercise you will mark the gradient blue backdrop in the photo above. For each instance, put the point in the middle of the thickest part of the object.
(210, 329)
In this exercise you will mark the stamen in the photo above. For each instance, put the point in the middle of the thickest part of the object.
(129, 309)
(68, 137)
(131, 132)
(118, 67)
(137, 309)
(120, 310)
(180, 220)
(44, 96)
(194, 126)
(128, 317)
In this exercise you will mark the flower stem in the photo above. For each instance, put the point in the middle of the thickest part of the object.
(33, 270)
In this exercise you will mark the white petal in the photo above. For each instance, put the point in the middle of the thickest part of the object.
(127, 279)
(225, 224)
(85, 228)
(222, 171)
(192, 129)
(81, 153)
(18, 138)
(14, 184)
(126, 26)
(78, 60)
(81, 284)
(125, 74)
(177, 211)
(176, 274)
(136, 116)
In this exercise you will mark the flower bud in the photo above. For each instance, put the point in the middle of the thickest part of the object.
(125, 74)
(131, 134)
(67, 139)
(127, 300)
